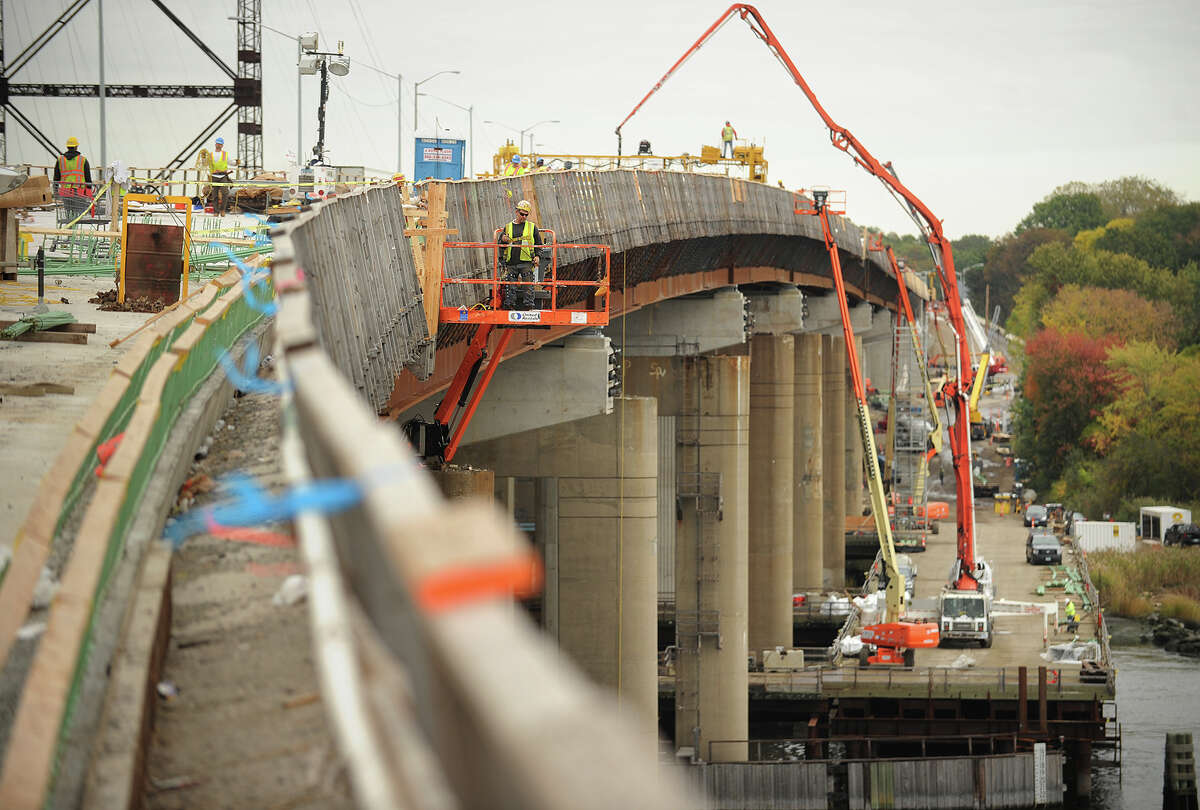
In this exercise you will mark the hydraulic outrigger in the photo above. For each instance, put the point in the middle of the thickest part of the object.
(894, 639)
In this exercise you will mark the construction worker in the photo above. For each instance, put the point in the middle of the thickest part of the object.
(1072, 619)
(524, 242)
(541, 165)
(218, 177)
(728, 133)
(514, 167)
(72, 173)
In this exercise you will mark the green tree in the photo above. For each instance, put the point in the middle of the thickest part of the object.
(1168, 236)
(1128, 196)
(1065, 212)
(1006, 267)
(1099, 313)
(1058, 263)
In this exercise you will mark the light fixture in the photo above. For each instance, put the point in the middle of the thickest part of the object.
(339, 65)
(308, 41)
(309, 63)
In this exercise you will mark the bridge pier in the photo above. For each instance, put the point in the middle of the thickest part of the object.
(772, 399)
(710, 398)
(807, 505)
(596, 506)
(854, 448)
(833, 429)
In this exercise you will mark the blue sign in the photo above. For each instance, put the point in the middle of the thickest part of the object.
(439, 158)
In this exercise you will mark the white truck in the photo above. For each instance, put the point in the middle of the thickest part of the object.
(967, 615)
(1153, 521)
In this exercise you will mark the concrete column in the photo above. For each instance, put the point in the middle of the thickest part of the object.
(833, 428)
(710, 397)
(772, 393)
(808, 542)
(465, 482)
(854, 448)
(604, 469)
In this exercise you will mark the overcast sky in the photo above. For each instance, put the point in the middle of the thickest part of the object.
(983, 107)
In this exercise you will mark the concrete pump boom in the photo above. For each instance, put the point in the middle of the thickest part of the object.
(954, 391)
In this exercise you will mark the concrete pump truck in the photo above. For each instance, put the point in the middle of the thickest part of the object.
(965, 604)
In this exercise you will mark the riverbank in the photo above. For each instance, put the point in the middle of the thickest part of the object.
(1159, 587)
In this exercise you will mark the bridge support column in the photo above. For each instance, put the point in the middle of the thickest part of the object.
(854, 448)
(466, 482)
(807, 533)
(772, 394)
(601, 473)
(833, 428)
(710, 398)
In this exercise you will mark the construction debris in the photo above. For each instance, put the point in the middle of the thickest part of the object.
(109, 302)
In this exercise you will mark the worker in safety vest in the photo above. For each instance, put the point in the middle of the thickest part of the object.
(524, 246)
(514, 167)
(728, 133)
(1072, 619)
(72, 174)
(218, 176)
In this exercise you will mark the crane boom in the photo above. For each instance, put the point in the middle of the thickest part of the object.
(954, 391)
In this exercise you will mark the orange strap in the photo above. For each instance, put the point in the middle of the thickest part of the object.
(517, 577)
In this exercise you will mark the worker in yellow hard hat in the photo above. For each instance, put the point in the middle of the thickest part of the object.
(72, 174)
(524, 241)
(218, 176)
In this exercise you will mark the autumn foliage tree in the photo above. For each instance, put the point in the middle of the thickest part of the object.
(1067, 384)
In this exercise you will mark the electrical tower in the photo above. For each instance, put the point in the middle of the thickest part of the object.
(244, 92)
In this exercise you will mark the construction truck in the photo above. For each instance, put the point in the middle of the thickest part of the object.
(966, 615)
(969, 578)
(980, 429)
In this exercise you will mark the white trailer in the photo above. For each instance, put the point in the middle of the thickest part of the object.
(1154, 521)
(1100, 535)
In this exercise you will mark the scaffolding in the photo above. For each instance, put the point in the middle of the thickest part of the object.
(910, 437)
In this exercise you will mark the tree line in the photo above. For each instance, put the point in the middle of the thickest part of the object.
(1102, 283)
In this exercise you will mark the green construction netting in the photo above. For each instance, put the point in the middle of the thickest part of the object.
(179, 388)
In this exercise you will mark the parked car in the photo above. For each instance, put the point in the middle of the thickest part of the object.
(1075, 517)
(1182, 534)
(1035, 515)
(1043, 548)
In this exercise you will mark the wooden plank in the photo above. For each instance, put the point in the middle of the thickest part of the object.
(89, 328)
(431, 281)
(53, 337)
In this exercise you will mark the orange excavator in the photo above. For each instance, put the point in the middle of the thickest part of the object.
(969, 578)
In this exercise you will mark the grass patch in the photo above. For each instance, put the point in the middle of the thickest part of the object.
(1132, 583)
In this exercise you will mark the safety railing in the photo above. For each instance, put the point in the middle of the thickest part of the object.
(1062, 682)
(459, 692)
(576, 291)
(817, 747)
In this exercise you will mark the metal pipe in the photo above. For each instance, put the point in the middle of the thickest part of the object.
(103, 123)
(299, 105)
(400, 124)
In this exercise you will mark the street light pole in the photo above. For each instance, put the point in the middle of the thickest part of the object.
(417, 94)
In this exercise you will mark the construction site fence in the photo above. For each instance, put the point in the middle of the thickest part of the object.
(950, 783)
(463, 696)
(150, 386)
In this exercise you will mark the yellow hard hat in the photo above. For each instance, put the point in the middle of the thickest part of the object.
(72, 141)
(524, 205)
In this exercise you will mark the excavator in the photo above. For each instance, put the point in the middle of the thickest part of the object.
(966, 599)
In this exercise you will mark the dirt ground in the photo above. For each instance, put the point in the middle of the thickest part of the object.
(247, 728)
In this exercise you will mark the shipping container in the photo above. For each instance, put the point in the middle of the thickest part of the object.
(1101, 535)
(438, 159)
(1155, 520)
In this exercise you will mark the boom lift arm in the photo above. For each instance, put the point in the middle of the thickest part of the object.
(954, 390)
(894, 639)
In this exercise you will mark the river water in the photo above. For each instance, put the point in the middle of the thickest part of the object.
(1157, 692)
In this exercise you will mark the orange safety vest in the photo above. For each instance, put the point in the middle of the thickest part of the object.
(70, 173)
